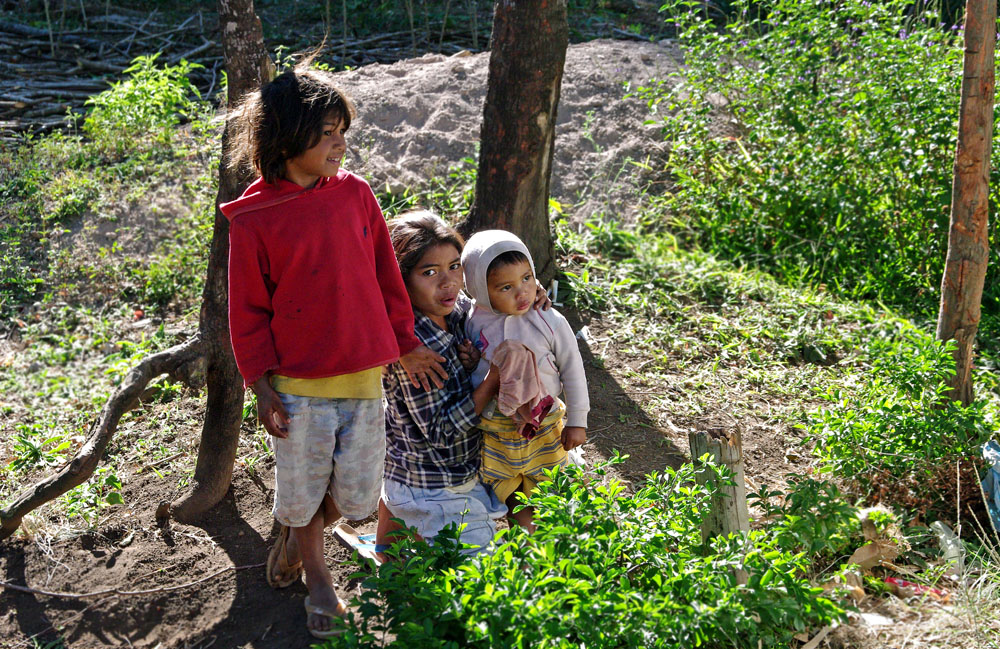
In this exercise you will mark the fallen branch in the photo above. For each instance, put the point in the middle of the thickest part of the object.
(190, 54)
(100, 66)
(25, 30)
(115, 591)
(184, 363)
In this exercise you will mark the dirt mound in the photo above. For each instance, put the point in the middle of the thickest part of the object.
(419, 117)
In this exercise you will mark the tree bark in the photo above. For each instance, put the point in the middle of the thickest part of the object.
(247, 66)
(968, 243)
(518, 133)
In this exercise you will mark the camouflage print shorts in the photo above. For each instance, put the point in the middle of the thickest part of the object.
(334, 446)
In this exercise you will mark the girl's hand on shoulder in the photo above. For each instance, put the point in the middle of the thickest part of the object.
(468, 355)
(542, 300)
(573, 436)
(424, 367)
(270, 411)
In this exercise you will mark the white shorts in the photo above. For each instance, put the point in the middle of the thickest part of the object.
(334, 446)
(430, 510)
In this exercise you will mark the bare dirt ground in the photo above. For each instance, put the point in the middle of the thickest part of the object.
(203, 585)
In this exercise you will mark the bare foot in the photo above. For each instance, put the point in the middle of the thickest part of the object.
(323, 597)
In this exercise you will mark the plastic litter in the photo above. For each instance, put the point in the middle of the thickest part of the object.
(951, 546)
(991, 483)
(902, 588)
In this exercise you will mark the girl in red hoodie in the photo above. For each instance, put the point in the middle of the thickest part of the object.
(316, 307)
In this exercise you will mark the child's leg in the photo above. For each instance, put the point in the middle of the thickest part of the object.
(330, 512)
(385, 533)
(308, 542)
(525, 517)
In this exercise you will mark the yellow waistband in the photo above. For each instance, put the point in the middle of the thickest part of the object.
(366, 384)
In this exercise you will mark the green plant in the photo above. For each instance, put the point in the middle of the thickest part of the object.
(142, 110)
(635, 562)
(449, 196)
(32, 450)
(102, 490)
(816, 140)
(896, 435)
(812, 516)
(71, 194)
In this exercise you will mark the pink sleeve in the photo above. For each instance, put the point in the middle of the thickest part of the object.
(397, 301)
(250, 309)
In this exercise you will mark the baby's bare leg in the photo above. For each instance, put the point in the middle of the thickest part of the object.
(525, 518)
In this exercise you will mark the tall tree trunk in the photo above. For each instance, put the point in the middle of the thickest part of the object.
(518, 134)
(968, 243)
(247, 66)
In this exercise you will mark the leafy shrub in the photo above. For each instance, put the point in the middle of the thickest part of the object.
(816, 140)
(143, 109)
(897, 436)
(813, 516)
(603, 569)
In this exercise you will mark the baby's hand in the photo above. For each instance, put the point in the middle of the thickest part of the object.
(424, 367)
(573, 436)
(468, 355)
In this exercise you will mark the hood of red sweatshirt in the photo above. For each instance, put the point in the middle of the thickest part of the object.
(260, 195)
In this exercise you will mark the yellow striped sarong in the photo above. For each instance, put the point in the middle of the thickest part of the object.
(510, 461)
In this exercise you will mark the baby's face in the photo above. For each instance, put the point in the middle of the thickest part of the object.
(511, 288)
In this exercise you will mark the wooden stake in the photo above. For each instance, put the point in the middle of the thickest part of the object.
(729, 503)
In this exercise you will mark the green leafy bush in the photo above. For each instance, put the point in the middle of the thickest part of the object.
(813, 516)
(897, 435)
(143, 109)
(603, 569)
(816, 140)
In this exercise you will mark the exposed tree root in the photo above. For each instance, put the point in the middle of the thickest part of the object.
(184, 363)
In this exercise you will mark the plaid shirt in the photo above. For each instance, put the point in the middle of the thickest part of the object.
(431, 435)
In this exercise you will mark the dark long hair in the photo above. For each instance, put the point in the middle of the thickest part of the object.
(284, 118)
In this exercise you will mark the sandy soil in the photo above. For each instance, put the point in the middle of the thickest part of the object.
(419, 117)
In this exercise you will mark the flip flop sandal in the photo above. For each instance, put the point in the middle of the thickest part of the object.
(312, 609)
(363, 544)
(280, 573)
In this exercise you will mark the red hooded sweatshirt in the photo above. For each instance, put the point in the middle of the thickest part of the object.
(314, 287)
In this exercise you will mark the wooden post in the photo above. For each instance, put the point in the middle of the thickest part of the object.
(729, 503)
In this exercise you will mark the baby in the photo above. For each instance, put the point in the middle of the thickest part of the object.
(530, 429)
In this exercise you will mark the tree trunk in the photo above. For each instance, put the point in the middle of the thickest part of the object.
(518, 134)
(968, 244)
(247, 66)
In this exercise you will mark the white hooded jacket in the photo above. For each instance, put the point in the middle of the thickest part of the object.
(546, 333)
